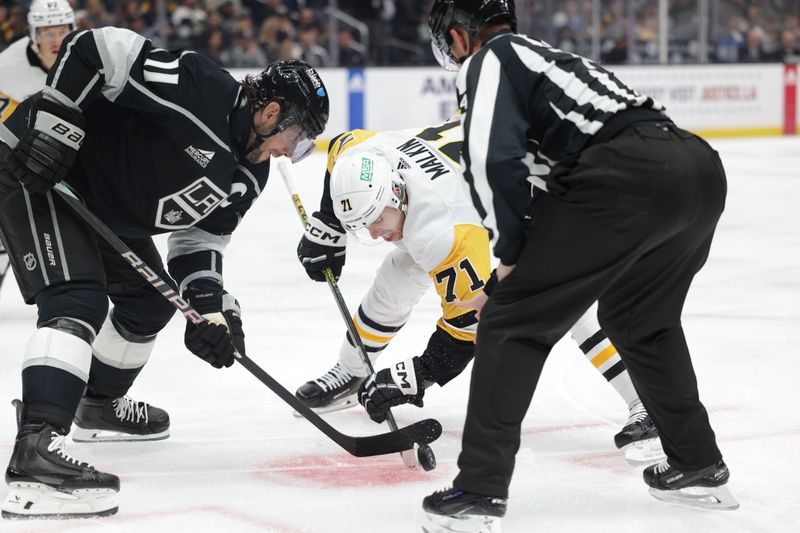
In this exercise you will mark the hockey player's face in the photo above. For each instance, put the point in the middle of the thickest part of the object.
(388, 226)
(48, 40)
(288, 142)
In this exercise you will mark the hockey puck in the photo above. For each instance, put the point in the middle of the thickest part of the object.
(426, 458)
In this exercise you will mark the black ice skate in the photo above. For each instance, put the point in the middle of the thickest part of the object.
(455, 510)
(334, 390)
(119, 419)
(46, 482)
(704, 488)
(639, 438)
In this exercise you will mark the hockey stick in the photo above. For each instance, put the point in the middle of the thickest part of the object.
(426, 457)
(421, 432)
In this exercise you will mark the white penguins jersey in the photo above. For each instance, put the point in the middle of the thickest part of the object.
(22, 76)
(442, 231)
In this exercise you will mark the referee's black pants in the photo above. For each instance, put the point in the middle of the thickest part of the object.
(628, 222)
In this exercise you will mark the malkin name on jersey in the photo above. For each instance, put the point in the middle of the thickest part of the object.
(201, 157)
(424, 158)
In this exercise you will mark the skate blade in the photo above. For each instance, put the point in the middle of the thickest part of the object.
(645, 452)
(37, 501)
(340, 404)
(433, 523)
(715, 498)
(106, 435)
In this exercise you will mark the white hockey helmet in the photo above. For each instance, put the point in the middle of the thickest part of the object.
(44, 13)
(362, 185)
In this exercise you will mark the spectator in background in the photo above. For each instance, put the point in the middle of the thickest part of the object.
(410, 20)
(261, 10)
(351, 53)
(371, 13)
(189, 22)
(14, 26)
(787, 49)
(617, 52)
(310, 50)
(245, 52)
(229, 15)
(752, 51)
(277, 37)
(214, 22)
(96, 14)
(212, 47)
(726, 50)
(139, 25)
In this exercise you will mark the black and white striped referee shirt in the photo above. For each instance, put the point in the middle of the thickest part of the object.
(527, 106)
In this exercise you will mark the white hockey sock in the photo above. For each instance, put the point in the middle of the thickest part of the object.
(115, 351)
(59, 349)
(603, 355)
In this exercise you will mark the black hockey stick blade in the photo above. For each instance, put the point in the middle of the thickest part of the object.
(422, 432)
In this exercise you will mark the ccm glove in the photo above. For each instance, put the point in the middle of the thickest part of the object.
(323, 246)
(47, 150)
(387, 388)
(214, 341)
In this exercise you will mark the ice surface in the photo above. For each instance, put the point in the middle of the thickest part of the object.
(238, 461)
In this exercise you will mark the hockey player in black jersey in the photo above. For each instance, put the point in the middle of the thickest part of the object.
(592, 194)
(152, 141)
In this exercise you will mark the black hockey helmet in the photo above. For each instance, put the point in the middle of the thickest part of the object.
(297, 87)
(473, 15)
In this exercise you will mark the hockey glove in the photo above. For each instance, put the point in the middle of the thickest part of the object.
(215, 340)
(47, 150)
(323, 246)
(403, 383)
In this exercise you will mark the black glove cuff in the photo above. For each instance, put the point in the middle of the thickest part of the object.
(73, 116)
(329, 220)
(491, 283)
(205, 295)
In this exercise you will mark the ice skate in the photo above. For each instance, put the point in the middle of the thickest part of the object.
(119, 419)
(638, 439)
(46, 482)
(458, 511)
(333, 391)
(706, 488)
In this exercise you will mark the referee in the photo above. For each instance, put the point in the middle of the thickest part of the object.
(592, 193)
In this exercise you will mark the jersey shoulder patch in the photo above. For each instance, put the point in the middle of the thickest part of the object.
(345, 142)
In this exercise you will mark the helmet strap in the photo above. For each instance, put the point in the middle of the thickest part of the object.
(259, 137)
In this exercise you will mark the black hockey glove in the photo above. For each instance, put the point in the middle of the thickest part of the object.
(402, 383)
(323, 245)
(47, 150)
(215, 340)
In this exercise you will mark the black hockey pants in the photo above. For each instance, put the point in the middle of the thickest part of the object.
(628, 222)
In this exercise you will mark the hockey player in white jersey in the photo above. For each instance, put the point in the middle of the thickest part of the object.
(26, 62)
(406, 188)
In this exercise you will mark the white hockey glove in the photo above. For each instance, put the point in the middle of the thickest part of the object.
(387, 388)
(323, 246)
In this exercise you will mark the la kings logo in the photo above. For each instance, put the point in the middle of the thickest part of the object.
(188, 206)
(201, 157)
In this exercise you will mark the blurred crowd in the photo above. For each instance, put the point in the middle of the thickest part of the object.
(739, 31)
(252, 33)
